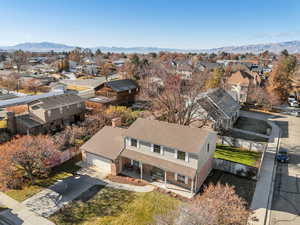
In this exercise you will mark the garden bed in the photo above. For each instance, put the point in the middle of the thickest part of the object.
(126, 180)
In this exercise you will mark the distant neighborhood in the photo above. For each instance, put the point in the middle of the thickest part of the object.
(92, 137)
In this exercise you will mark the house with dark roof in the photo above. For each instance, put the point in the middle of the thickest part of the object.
(209, 66)
(172, 156)
(120, 92)
(48, 114)
(218, 105)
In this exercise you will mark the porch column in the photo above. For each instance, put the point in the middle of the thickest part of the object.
(141, 169)
(192, 186)
(165, 178)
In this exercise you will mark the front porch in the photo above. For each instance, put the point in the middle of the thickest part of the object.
(167, 180)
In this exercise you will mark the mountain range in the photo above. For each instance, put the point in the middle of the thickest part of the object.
(291, 46)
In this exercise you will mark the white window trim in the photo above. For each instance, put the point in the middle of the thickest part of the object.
(187, 157)
(162, 150)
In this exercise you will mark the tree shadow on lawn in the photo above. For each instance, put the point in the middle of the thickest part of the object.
(107, 202)
(244, 187)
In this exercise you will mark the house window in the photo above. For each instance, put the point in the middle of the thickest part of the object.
(135, 163)
(208, 147)
(133, 142)
(181, 155)
(157, 149)
(181, 178)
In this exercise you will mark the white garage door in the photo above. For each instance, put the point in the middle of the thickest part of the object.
(102, 164)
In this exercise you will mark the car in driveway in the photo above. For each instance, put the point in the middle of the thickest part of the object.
(282, 156)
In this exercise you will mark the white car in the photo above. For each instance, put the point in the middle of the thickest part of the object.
(294, 103)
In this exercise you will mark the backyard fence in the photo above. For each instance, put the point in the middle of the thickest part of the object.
(66, 155)
(235, 168)
(242, 143)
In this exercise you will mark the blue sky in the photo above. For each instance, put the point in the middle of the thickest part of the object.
(160, 23)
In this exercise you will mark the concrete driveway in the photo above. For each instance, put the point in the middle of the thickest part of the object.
(286, 198)
(50, 200)
(17, 214)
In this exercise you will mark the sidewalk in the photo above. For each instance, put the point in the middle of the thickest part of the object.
(18, 214)
(262, 197)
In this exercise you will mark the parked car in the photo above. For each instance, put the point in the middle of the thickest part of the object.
(292, 98)
(295, 113)
(294, 103)
(282, 156)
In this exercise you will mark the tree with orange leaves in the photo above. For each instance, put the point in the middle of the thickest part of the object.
(26, 158)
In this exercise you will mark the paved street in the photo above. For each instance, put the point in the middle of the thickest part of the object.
(286, 199)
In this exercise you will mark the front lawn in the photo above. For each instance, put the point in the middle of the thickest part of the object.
(60, 172)
(116, 207)
(242, 156)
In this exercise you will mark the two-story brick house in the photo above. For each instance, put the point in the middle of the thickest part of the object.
(47, 114)
(159, 152)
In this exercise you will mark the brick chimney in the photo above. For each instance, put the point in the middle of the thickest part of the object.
(116, 122)
(11, 122)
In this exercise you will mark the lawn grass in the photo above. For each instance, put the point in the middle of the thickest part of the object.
(60, 172)
(248, 158)
(116, 207)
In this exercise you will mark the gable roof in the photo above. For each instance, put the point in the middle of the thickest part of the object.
(121, 85)
(57, 101)
(89, 83)
(240, 77)
(108, 142)
(208, 65)
(218, 103)
(184, 138)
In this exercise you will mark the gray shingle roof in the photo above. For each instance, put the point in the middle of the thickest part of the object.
(184, 138)
(58, 101)
(108, 142)
(122, 85)
(219, 103)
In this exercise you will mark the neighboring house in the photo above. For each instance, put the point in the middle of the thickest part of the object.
(185, 70)
(202, 66)
(240, 84)
(220, 107)
(48, 114)
(168, 155)
(120, 92)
